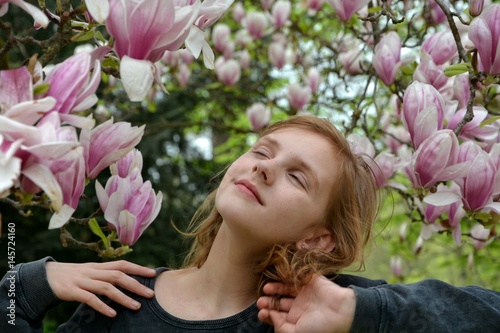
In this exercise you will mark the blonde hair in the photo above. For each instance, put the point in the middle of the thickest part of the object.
(349, 216)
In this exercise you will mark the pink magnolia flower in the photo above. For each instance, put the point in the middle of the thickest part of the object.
(436, 160)
(420, 97)
(476, 7)
(183, 74)
(440, 46)
(346, 8)
(281, 13)
(277, 54)
(107, 143)
(259, 116)
(143, 31)
(479, 235)
(428, 72)
(314, 5)
(437, 14)
(37, 14)
(228, 71)
(256, 23)
(71, 85)
(125, 166)
(473, 129)
(313, 79)
(387, 56)
(484, 32)
(221, 35)
(129, 204)
(478, 184)
(396, 266)
(298, 95)
(238, 12)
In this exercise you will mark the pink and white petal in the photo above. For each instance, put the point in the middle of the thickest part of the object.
(208, 56)
(10, 170)
(78, 121)
(14, 130)
(127, 228)
(30, 112)
(137, 77)
(43, 178)
(37, 14)
(99, 9)
(61, 217)
(194, 41)
(442, 198)
(102, 196)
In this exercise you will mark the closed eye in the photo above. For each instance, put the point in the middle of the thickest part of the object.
(297, 179)
(261, 153)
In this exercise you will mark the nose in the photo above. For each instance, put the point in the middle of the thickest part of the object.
(264, 170)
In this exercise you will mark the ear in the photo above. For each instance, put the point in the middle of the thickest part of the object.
(322, 238)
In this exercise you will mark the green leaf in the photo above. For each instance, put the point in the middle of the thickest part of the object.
(41, 89)
(96, 229)
(489, 121)
(456, 69)
(83, 36)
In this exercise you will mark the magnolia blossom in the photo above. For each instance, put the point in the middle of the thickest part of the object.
(281, 13)
(436, 160)
(221, 35)
(259, 116)
(476, 7)
(437, 14)
(423, 111)
(183, 74)
(478, 184)
(428, 72)
(37, 14)
(277, 54)
(298, 95)
(107, 143)
(143, 30)
(440, 46)
(125, 166)
(387, 56)
(129, 204)
(473, 130)
(228, 71)
(461, 89)
(484, 32)
(313, 79)
(346, 8)
(480, 235)
(256, 24)
(396, 266)
(71, 85)
(238, 12)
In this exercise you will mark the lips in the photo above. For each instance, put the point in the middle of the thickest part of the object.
(250, 188)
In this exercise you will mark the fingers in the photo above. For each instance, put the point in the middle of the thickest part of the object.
(125, 267)
(277, 288)
(118, 278)
(275, 303)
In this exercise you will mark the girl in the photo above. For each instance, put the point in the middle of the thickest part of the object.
(297, 206)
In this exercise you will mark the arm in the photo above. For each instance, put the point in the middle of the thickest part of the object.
(427, 306)
(42, 284)
(25, 297)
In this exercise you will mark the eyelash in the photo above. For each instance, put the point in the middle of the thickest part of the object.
(297, 179)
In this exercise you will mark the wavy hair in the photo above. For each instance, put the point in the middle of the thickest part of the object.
(350, 215)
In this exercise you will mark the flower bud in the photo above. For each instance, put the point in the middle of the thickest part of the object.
(484, 32)
(476, 7)
(259, 116)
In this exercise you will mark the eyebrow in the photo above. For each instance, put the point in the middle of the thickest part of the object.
(302, 164)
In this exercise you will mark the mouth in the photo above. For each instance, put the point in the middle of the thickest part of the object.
(250, 189)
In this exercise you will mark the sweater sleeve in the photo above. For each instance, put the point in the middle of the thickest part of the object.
(427, 306)
(25, 297)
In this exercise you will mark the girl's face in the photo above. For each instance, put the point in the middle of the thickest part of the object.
(279, 190)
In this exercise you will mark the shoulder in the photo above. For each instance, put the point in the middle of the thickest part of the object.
(346, 280)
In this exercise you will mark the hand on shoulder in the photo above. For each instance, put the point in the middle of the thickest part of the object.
(81, 282)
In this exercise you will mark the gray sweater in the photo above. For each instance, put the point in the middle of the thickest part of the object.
(428, 306)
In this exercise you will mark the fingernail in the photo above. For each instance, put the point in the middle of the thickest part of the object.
(112, 312)
(136, 304)
(150, 292)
